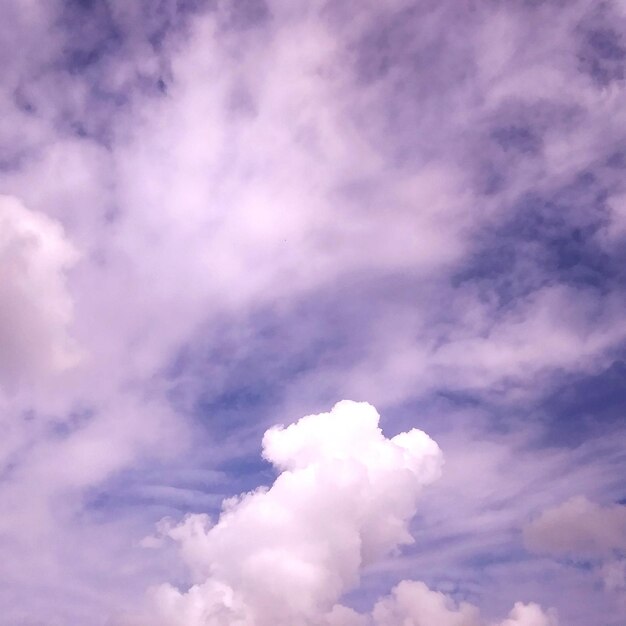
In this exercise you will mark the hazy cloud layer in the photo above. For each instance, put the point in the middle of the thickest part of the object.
(221, 215)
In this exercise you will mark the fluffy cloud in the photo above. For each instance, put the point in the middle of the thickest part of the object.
(415, 603)
(412, 603)
(529, 615)
(286, 555)
(578, 527)
(35, 305)
(583, 530)
(614, 575)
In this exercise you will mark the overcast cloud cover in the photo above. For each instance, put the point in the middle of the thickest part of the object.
(229, 229)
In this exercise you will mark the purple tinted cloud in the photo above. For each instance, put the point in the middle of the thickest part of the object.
(220, 216)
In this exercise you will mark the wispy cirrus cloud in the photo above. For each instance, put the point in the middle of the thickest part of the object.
(418, 204)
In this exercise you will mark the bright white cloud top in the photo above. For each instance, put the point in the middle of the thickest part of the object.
(285, 555)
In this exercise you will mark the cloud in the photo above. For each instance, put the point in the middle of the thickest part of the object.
(413, 603)
(578, 527)
(36, 308)
(288, 553)
(614, 575)
(278, 206)
(584, 531)
(529, 615)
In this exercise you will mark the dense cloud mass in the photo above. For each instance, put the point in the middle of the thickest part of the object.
(287, 554)
(220, 215)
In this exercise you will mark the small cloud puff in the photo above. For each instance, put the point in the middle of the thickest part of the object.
(578, 527)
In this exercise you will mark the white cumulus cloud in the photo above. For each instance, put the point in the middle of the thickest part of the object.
(412, 603)
(285, 555)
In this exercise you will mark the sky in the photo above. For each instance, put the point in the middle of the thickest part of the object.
(311, 313)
